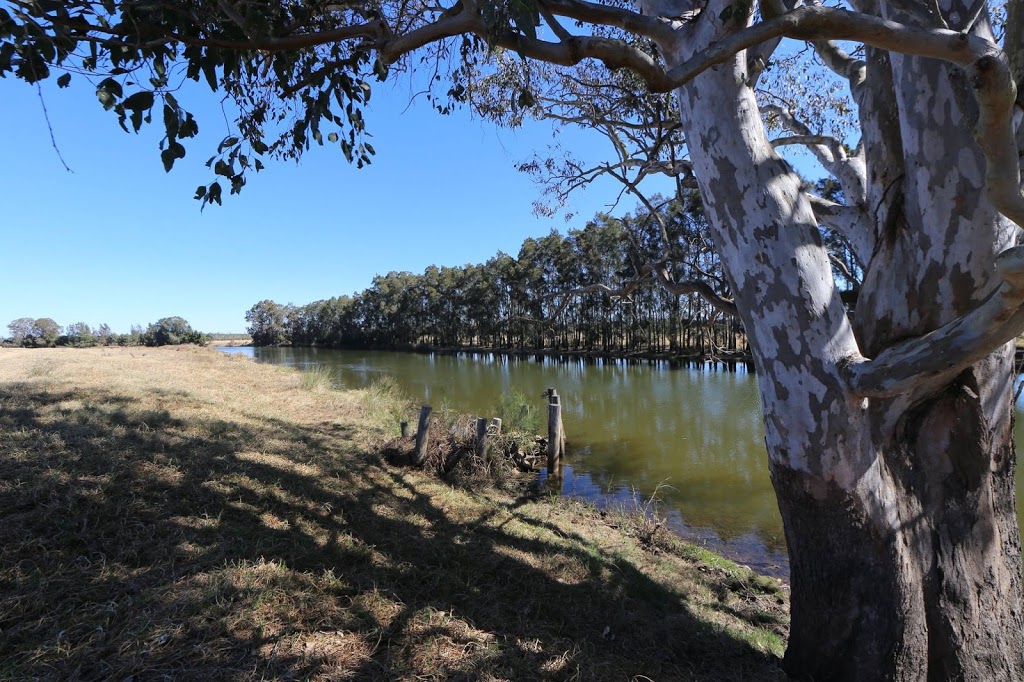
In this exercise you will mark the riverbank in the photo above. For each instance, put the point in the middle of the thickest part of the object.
(728, 359)
(185, 513)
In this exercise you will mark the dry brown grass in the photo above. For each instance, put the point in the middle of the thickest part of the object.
(183, 514)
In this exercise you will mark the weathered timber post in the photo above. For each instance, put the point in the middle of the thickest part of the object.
(496, 427)
(481, 438)
(556, 436)
(405, 429)
(420, 453)
(561, 438)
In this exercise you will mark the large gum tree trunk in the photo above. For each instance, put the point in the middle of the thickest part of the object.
(899, 511)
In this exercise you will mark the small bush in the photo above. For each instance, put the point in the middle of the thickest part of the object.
(518, 414)
(172, 331)
(521, 421)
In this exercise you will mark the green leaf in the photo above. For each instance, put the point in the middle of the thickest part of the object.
(136, 117)
(210, 71)
(173, 152)
(188, 127)
(214, 193)
(332, 137)
(223, 168)
(525, 15)
(170, 122)
(139, 101)
(64, 80)
(108, 92)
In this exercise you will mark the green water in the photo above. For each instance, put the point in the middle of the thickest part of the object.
(693, 435)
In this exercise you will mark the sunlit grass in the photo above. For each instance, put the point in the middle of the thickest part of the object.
(183, 514)
(317, 378)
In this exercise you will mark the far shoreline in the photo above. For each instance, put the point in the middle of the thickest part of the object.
(728, 359)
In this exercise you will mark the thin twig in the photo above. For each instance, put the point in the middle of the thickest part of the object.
(53, 140)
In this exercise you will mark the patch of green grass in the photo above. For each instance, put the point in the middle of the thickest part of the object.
(519, 414)
(317, 378)
(385, 397)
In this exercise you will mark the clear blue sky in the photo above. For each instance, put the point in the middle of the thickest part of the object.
(119, 241)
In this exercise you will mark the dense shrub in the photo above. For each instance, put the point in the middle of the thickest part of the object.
(172, 331)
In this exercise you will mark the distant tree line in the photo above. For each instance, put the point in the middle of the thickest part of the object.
(533, 300)
(44, 332)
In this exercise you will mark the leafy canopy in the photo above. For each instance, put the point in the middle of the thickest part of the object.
(139, 55)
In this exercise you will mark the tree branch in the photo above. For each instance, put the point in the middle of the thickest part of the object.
(830, 153)
(842, 64)
(702, 289)
(849, 221)
(813, 23)
(986, 66)
(613, 53)
(552, 21)
(834, 145)
(595, 13)
(933, 359)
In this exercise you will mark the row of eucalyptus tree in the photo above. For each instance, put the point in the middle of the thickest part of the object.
(533, 300)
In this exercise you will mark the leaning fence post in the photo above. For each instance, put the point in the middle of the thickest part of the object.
(556, 437)
(420, 453)
(481, 438)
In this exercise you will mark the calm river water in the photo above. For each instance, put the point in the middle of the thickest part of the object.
(694, 435)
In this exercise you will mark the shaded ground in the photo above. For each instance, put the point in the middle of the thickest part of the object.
(189, 515)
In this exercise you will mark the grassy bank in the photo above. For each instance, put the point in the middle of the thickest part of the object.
(183, 514)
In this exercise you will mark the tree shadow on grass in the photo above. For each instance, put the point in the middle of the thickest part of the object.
(138, 544)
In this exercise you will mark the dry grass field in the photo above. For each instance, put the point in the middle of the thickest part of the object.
(182, 514)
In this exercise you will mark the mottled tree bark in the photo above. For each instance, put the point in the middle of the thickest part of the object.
(899, 509)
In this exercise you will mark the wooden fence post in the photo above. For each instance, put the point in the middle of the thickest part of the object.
(420, 453)
(481, 438)
(405, 429)
(561, 436)
(556, 436)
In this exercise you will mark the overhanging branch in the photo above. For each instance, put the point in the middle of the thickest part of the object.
(935, 358)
